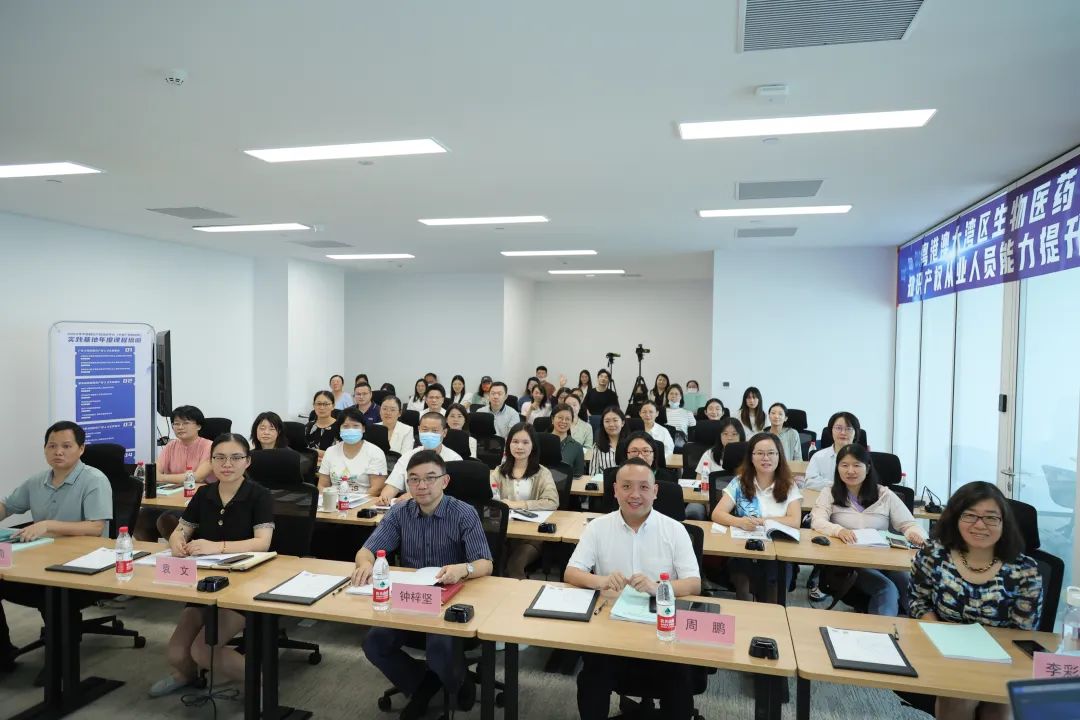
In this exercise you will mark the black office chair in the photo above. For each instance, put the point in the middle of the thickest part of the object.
(706, 432)
(669, 496)
(377, 396)
(734, 454)
(888, 468)
(550, 449)
(411, 418)
(796, 419)
(377, 436)
(678, 438)
(277, 468)
(633, 410)
(470, 481)
(906, 495)
(718, 480)
(214, 426)
(512, 401)
(542, 424)
(691, 454)
(489, 447)
(335, 413)
(458, 441)
(294, 434)
(634, 424)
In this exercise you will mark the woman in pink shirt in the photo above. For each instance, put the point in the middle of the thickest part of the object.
(187, 450)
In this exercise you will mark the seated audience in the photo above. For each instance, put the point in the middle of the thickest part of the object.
(751, 414)
(648, 415)
(458, 394)
(363, 462)
(457, 418)
(432, 433)
(789, 437)
(678, 417)
(435, 399)
(731, 430)
(541, 376)
(537, 405)
(363, 402)
(188, 450)
(342, 399)
(506, 417)
(580, 430)
(693, 400)
(601, 396)
(399, 434)
(480, 397)
(321, 432)
(268, 433)
(715, 410)
(572, 453)
(416, 402)
(584, 382)
(613, 428)
(524, 483)
(819, 471)
(659, 390)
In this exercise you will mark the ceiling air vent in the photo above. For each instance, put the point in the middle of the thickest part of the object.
(192, 213)
(765, 232)
(778, 24)
(777, 190)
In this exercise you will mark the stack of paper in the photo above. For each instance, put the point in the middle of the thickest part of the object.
(200, 560)
(308, 585)
(356, 499)
(864, 647)
(633, 606)
(98, 559)
(868, 537)
(423, 576)
(779, 530)
(757, 533)
(965, 642)
(718, 528)
(689, 483)
(564, 600)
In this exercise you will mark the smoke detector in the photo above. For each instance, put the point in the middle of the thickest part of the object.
(175, 77)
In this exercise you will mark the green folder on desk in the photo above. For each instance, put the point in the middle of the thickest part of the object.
(633, 606)
(7, 535)
(965, 642)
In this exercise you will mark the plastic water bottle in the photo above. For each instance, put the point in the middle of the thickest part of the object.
(125, 551)
(665, 609)
(140, 472)
(495, 490)
(343, 496)
(813, 447)
(380, 583)
(705, 482)
(1070, 630)
(189, 482)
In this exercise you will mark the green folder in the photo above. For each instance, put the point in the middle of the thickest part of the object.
(633, 606)
(7, 535)
(965, 642)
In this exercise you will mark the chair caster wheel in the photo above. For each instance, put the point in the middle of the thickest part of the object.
(140, 642)
(314, 658)
(384, 703)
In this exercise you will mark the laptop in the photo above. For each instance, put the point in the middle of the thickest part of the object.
(1057, 698)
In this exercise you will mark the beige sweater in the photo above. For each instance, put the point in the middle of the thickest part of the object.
(544, 495)
(889, 512)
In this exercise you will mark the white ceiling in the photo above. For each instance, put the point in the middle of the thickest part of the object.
(566, 109)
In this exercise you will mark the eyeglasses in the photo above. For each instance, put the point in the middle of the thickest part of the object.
(427, 480)
(182, 424)
(990, 521)
(843, 429)
(324, 404)
(228, 458)
(639, 452)
(771, 454)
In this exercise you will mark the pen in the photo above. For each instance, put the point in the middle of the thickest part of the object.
(600, 607)
(895, 633)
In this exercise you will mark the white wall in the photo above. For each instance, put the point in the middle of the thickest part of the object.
(271, 337)
(811, 328)
(577, 322)
(52, 272)
(518, 312)
(398, 327)
(316, 332)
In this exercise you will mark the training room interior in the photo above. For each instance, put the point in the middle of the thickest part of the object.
(767, 257)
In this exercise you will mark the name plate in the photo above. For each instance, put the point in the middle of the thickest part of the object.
(176, 571)
(426, 599)
(5, 555)
(1053, 665)
(704, 628)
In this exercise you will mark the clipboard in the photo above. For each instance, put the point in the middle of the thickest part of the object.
(906, 671)
(271, 596)
(555, 615)
(92, 571)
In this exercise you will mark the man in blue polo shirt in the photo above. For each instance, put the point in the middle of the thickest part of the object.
(429, 530)
(68, 499)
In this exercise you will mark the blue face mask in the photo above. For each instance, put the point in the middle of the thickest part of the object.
(674, 404)
(351, 436)
(430, 440)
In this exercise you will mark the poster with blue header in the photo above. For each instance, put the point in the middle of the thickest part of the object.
(101, 375)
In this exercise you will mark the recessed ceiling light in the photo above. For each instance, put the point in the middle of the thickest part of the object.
(765, 212)
(586, 272)
(806, 124)
(486, 220)
(546, 253)
(266, 227)
(374, 256)
(45, 169)
(354, 150)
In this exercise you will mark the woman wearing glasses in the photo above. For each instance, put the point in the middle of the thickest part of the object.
(974, 571)
(763, 489)
(321, 432)
(236, 515)
(819, 471)
(187, 450)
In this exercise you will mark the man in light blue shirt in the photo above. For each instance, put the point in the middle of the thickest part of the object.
(68, 499)
(506, 417)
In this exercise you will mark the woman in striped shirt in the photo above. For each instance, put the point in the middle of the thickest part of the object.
(603, 454)
(678, 417)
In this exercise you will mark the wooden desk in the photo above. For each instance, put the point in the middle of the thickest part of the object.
(798, 467)
(722, 544)
(577, 487)
(809, 498)
(633, 640)
(837, 552)
(983, 681)
(921, 514)
(572, 524)
(675, 462)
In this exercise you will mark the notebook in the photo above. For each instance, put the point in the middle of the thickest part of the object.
(965, 642)
(563, 603)
(869, 537)
(865, 651)
(8, 535)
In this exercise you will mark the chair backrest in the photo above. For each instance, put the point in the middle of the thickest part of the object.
(796, 419)
(826, 438)
(377, 396)
(562, 474)
(481, 425)
(495, 518)
(669, 500)
(294, 518)
(542, 424)
(214, 426)
(470, 481)
(275, 468)
(691, 456)
(1052, 570)
(888, 468)
(294, 434)
(734, 454)
(1027, 521)
(597, 422)
(126, 491)
(706, 431)
(634, 424)
(512, 401)
(411, 418)
(377, 436)
(906, 494)
(633, 410)
(550, 450)
(805, 438)
(678, 438)
(697, 540)
(718, 480)
(458, 441)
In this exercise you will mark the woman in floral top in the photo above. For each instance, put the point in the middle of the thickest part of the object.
(974, 571)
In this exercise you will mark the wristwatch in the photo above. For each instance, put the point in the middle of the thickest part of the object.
(469, 569)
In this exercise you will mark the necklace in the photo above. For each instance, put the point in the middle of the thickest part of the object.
(964, 560)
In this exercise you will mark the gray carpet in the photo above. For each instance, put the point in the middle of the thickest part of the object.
(344, 685)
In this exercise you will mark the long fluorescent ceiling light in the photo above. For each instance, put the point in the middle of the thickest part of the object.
(266, 227)
(354, 150)
(586, 272)
(807, 124)
(373, 256)
(766, 212)
(511, 220)
(546, 253)
(45, 170)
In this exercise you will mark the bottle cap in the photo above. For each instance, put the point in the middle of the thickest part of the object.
(1072, 596)
(381, 553)
(123, 528)
(140, 463)
(189, 468)
(665, 576)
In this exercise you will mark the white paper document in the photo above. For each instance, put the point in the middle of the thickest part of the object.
(541, 516)
(757, 533)
(423, 576)
(308, 585)
(355, 500)
(864, 647)
(773, 528)
(689, 483)
(200, 560)
(567, 600)
(868, 537)
(98, 559)
(718, 528)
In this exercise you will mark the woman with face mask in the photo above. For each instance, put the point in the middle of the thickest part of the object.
(364, 463)
(693, 400)
(678, 417)
(526, 484)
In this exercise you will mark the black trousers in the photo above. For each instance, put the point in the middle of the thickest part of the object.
(602, 674)
(20, 594)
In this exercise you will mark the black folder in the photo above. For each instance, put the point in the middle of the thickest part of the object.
(554, 614)
(271, 596)
(92, 571)
(907, 670)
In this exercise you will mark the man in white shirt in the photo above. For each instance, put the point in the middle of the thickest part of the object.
(432, 432)
(506, 417)
(632, 547)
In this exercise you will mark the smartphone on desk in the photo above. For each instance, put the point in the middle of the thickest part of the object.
(1030, 647)
(688, 605)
